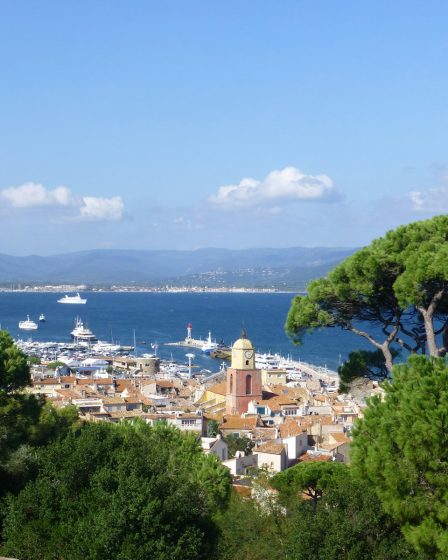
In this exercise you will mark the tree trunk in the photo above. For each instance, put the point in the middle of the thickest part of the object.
(430, 335)
(385, 348)
(428, 315)
(444, 349)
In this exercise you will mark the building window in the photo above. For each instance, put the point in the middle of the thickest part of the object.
(188, 422)
(231, 383)
(248, 384)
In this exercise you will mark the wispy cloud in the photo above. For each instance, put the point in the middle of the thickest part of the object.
(430, 201)
(34, 195)
(288, 184)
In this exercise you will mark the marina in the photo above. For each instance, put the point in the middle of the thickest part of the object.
(161, 320)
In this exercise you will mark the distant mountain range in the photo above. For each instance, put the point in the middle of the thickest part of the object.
(280, 268)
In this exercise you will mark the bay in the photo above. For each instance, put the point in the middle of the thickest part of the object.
(163, 317)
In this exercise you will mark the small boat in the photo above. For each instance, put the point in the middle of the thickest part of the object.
(28, 325)
(42, 318)
(72, 299)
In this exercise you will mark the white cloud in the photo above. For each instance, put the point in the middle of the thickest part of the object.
(280, 185)
(102, 209)
(32, 195)
(430, 201)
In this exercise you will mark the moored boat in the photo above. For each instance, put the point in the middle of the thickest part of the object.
(73, 299)
(28, 325)
(82, 333)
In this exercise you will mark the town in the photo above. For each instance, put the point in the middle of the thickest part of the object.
(251, 415)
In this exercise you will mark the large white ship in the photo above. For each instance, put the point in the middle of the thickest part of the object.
(82, 333)
(28, 325)
(72, 299)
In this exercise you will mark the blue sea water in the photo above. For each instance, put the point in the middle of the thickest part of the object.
(163, 317)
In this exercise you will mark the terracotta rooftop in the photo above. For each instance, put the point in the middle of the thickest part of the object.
(339, 437)
(67, 379)
(291, 428)
(50, 381)
(238, 423)
(125, 414)
(218, 388)
(113, 400)
(315, 457)
(68, 394)
(264, 434)
(122, 384)
(103, 381)
(270, 447)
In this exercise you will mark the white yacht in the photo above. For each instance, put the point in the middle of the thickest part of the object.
(209, 345)
(72, 299)
(267, 361)
(28, 325)
(42, 318)
(82, 333)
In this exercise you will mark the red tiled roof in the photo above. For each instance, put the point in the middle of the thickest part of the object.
(270, 447)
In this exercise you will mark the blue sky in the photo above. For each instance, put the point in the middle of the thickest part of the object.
(181, 125)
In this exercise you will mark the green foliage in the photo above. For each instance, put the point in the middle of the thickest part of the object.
(53, 423)
(347, 522)
(116, 492)
(328, 515)
(362, 363)
(55, 365)
(212, 428)
(309, 479)
(19, 412)
(14, 370)
(423, 247)
(236, 443)
(33, 424)
(399, 282)
(401, 447)
(247, 531)
(32, 360)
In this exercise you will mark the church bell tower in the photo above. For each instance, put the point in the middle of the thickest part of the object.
(243, 379)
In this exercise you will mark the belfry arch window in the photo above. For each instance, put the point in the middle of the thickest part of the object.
(231, 382)
(248, 384)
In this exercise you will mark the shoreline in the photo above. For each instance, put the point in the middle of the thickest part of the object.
(166, 290)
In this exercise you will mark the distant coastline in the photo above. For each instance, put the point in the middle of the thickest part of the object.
(67, 288)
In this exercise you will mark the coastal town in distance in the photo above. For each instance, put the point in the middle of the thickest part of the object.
(285, 411)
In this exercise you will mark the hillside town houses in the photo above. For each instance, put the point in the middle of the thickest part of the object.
(285, 422)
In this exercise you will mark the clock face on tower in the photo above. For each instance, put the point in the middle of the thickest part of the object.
(248, 354)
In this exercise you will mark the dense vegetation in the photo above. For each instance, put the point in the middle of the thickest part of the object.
(401, 448)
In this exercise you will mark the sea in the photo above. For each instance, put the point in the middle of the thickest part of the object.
(159, 318)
